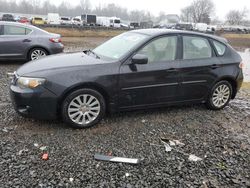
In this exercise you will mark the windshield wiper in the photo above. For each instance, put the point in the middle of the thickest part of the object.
(92, 52)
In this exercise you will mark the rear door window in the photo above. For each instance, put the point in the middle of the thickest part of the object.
(15, 30)
(196, 47)
(220, 48)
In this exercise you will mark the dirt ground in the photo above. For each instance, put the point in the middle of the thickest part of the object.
(220, 138)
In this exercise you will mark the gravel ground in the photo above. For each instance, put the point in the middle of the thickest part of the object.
(221, 139)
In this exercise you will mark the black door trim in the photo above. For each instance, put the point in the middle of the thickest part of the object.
(149, 86)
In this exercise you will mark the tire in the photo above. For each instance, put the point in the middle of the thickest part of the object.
(37, 53)
(220, 95)
(85, 114)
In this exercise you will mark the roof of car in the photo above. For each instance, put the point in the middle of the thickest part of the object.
(157, 32)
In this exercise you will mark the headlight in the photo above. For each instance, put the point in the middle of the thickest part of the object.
(25, 82)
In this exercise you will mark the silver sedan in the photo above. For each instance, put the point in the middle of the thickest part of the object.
(26, 42)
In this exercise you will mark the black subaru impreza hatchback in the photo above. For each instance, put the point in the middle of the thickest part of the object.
(137, 69)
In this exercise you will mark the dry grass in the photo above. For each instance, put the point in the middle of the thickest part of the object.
(238, 40)
(73, 32)
(237, 36)
(246, 85)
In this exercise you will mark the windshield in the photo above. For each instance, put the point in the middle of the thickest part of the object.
(120, 45)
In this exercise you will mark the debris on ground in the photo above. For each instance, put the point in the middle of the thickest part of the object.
(36, 145)
(194, 158)
(167, 147)
(45, 156)
(21, 151)
(127, 175)
(5, 130)
(116, 159)
(43, 148)
(109, 153)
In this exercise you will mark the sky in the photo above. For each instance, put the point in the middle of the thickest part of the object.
(168, 6)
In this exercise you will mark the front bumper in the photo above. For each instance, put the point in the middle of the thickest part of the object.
(39, 103)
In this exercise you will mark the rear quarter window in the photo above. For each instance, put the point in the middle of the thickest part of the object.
(220, 48)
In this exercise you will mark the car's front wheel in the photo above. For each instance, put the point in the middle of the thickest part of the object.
(37, 53)
(83, 108)
(220, 95)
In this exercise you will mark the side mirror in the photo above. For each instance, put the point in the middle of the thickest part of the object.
(140, 59)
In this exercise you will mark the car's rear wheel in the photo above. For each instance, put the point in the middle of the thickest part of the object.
(83, 108)
(220, 95)
(37, 53)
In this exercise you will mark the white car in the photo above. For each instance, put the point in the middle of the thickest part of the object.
(76, 21)
(65, 21)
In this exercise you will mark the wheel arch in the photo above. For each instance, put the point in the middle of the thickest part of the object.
(88, 85)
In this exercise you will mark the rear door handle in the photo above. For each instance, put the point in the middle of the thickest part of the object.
(26, 40)
(214, 66)
(171, 70)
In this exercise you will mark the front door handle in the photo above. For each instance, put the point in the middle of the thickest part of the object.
(171, 70)
(26, 40)
(214, 66)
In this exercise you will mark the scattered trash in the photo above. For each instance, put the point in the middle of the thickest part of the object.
(5, 130)
(167, 147)
(143, 121)
(127, 175)
(36, 145)
(116, 159)
(45, 156)
(71, 179)
(194, 158)
(21, 151)
(171, 143)
(109, 153)
(178, 143)
(43, 148)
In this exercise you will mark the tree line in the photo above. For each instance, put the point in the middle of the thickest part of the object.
(200, 11)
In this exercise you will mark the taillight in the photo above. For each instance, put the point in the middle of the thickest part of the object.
(241, 65)
(55, 40)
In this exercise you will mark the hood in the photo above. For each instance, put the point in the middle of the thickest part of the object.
(58, 62)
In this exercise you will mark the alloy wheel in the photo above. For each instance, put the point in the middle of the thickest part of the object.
(84, 109)
(37, 54)
(221, 95)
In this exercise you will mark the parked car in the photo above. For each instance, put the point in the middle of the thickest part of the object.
(53, 18)
(184, 26)
(26, 42)
(76, 21)
(65, 21)
(8, 17)
(136, 70)
(37, 21)
(24, 20)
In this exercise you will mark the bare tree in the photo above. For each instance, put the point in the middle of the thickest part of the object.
(85, 5)
(186, 14)
(198, 11)
(236, 17)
